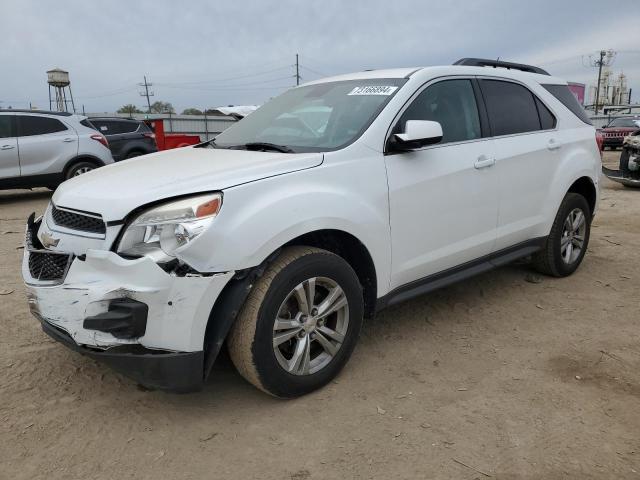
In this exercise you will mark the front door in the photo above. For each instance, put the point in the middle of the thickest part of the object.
(443, 198)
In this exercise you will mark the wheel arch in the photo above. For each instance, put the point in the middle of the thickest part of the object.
(81, 158)
(228, 304)
(584, 186)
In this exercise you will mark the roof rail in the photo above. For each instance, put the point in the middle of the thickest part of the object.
(483, 62)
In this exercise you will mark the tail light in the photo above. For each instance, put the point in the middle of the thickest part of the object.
(100, 138)
(600, 142)
(150, 135)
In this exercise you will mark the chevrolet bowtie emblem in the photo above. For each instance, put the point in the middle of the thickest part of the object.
(48, 241)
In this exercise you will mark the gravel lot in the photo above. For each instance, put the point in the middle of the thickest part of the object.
(506, 375)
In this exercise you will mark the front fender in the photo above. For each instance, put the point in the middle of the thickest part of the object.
(258, 218)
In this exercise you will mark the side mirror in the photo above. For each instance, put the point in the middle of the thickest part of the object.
(417, 134)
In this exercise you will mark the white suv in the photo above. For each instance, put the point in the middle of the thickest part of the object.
(42, 149)
(283, 234)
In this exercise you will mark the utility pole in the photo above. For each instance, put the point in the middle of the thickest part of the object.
(605, 60)
(599, 64)
(146, 92)
(297, 71)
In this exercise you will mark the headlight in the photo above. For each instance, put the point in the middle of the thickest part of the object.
(160, 231)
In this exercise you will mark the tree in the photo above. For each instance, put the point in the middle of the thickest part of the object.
(191, 111)
(130, 109)
(162, 107)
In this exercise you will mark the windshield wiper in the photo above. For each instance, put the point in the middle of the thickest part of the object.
(266, 146)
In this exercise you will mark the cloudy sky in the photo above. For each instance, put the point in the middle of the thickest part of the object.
(201, 53)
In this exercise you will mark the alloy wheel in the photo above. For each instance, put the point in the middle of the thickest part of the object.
(573, 235)
(310, 326)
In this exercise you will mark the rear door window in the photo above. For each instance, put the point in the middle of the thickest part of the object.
(7, 126)
(511, 108)
(31, 125)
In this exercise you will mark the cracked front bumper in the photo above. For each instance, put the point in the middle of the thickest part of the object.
(178, 312)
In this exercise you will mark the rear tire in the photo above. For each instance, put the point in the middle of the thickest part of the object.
(79, 169)
(568, 240)
(318, 344)
(135, 153)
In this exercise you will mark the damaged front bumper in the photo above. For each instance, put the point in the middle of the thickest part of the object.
(86, 309)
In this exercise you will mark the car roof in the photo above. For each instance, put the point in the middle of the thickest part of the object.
(436, 71)
(37, 112)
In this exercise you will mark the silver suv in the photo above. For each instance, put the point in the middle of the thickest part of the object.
(43, 149)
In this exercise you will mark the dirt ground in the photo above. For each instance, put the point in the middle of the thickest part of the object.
(504, 376)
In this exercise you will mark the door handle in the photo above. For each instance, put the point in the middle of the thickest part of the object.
(69, 139)
(553, 144)
(483, 162)
(7, 147)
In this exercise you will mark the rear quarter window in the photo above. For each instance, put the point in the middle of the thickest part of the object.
(568, 99)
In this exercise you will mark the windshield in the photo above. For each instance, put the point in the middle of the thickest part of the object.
(625, 122)
(322, 117)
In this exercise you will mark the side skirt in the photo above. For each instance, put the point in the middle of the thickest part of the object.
(461, 272)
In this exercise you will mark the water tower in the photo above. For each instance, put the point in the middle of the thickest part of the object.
(59, 80)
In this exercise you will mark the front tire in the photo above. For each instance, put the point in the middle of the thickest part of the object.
(567, 243)
(300, 323)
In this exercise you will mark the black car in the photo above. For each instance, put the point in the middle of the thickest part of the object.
(127, 137)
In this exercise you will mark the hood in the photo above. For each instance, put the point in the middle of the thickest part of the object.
(113, 191)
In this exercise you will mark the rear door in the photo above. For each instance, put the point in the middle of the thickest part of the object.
(45, 144)
(9, 163)
(443, 198)
(527, 151)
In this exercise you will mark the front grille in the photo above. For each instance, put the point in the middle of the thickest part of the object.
(44, 265)
(49, 267)
(77, 221)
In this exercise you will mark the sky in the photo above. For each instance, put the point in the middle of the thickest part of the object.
(204, 54)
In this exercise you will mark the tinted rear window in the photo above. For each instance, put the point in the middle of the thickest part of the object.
(625, 123)
(31, 125)
(511, 108)
(114, 127)
(87, 123)
(569, 100)
(6, 126)
(106, 127)
(127, 127)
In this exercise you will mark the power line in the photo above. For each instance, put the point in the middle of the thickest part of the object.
(111, 94)
(227, 88)
(257, 74)
(314, 71)
(233, 85)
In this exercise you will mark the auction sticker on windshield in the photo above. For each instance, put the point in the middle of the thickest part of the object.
(373, 90)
